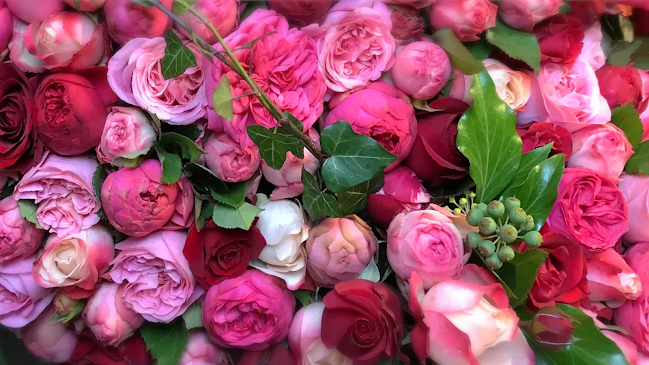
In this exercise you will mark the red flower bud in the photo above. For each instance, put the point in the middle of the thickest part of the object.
(552, 328)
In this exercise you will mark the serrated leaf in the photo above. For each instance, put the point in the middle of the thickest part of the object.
(520, 273)
(165, 341)
(460, 55)
(178, 57)
(487, 137)
(354, 200)
(316, 203)
(303, 296)
(28, 211)
(179, 145)
(528, 161)
(273, 145)
(222, 99)
(98, 178)
(228, 217)
(480, 49)
(203, 179)
(355, 158)
(234, 197)
(371, 272)
(621, 52)
(517, 44)
(639, 161)
(628, 120)
(172, 167)
(203, 210)
(192, 316)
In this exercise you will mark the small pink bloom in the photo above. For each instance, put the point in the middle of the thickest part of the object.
(49, 339)
(421, 69)
(611, 280)
(200, 351)
(229, 159)
(467, 18)
(524, 14)
(34, 10)
(18, 237)
(223, 14)
(128, 131)
(635, 189)
(127, 20)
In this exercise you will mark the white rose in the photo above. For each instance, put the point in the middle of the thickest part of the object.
(513, 87)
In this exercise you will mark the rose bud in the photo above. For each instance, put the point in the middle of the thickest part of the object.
(128, 132)
(49, 339)
(301, 13)
(406, 23)
(64, 305)
(421, 69)
(137, 203)
(524, 14)
(6, 26)
(635, 189)
(380, 111)
(20, 238)
(34, 10)
(223, 14)
(611, 280)
(339, 249)
(108, 317)
(552, 328)
(620, 86)
(434, 157)
(200, 351)
(541, 134)
(466, 18)
(86, 5)
(513, 87)
(229, 159)
(126, 20)
(560, 39)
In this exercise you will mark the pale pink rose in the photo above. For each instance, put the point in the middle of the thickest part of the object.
(19, 55)
(304, 339)
(524, 14)
(421, 69)
(22, 299)
(223, 14)
(460, 86)
(63, 187)
(49, 339)
(513, 87)
(134, 74)
(107, 316)
(644, 117)
(128, 132)
(601, 148)
(66, 41)
(406, 23)
(18, 237)
(229, 159)
(592, 50)
(126, 20)
(466, 18)
(339, 249)
(635, 189)
(6, 26)
(158, 282)
(34, 10)
(354, 43)
(629, 349)
(426, 242)
(611, 280)
(200, 351)
(75, 261)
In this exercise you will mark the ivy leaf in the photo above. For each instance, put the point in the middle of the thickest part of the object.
(480, 49)
(192, 316)
(234, 196)
(517, 44)
(294, 120)
(222, 99)
(528, 161)
(622, 51)
(371, 272)
(354, 200)
(165, 341)
(273, 145)
(172, 167)
(98, 178)
(177, 58)
(228, 217)
(317, 203)
(487, 137)
(628, 120)
(639, 161)
(460, 56)
(303, 296)
(355, 158)
(28, 211)
(180, 145)
(520, 273)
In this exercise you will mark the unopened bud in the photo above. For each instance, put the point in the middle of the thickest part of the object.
(506, 254)
(517, 216)
(496, 209)
(474, 239)
(533, 239)
(63, 305)
(463, 201)
(487, 225)
(552, 328)
(493, 262)
(508, 233)
(486, 248)
(512, 203)
(474, 217)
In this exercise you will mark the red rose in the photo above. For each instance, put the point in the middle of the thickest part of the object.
(541, 134)
(434, 156)
(560, 38)
(215, 254)
(587, 11)
(562, 277)
(131, 351)
(301, 12)
(276, 355)
(366, 321)
(620, 86)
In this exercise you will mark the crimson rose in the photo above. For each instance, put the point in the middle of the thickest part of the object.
(541, 134)
(89, 351)
(560, 39)
(620, 86)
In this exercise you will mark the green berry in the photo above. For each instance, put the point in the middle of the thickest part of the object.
(463, 201)
(457, 211)
(474, 239)
(487, 225)
(486, 248)
(512, 203)
(529, 224)
(493, 262)
(472, 195)
(533, 239)
(482, 207)
(508, 233)
(517, 216)
(474, 217)
(496, 209)
(506, 254)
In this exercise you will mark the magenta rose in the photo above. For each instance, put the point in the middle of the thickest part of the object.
(524, 14)
(49, 339)
(380, 111)
(421, 70)
(406, 23)
(250, 312)
(126, 20)
(301, 12)
(34, 10)
(137, 203)
(228, 158)
(466, 18)
(541, 134)
(223, 14)
(200, 351)
(128, 133)
(635, 189)
(560, 39)
(18, 237)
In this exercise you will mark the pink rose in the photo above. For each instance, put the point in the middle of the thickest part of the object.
(635, 189)
(66, 41)
(229, 159)
(19, 55)
(127, 20)
(75, 262)
(22, 299)
(258, 305)
(513, 87)
(466, 18)
(34, 10)
(421, 69)
(158, 281)
(49, 339)
(418, 4)
(18, 237)
(620, 86)
(406, 23)
(137, 203)
(524, 14)
(223, 14)
(380, 111)
(6, 26)
(339, 249)
(305, 342)
(128, 133)
(301, 12)
(629, 349)
(611, 280)
(200, 351)
(354, 43)
(63, 187)
(134, 73)
(592, 50)
(86, 5)
(428, 243)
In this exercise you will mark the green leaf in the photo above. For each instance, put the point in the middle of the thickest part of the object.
(192, 316)
(234, 197)
(294, 120)
(177, 58)
(520, 273)
(565, 8)
(528, 162)
(179, 145)
(639, 161)
(145, 3)
(517, 44)
(622, 51)
(480, 49)
(222, 99)
(251, 7)
(303, 296)
(460, 55)
(178, 8)
(28, 211)
(590, 348)
(165, 341)
(273, 145)
(317, 203)
(487, 137)
(355, 158)
(354, 200)
(203, 210)
(628, 120)
(371, 272)
(190, 131)
(203, 179)
(77, 4)
(98, 178)
(2, 358)
(78, 307)
(8, 189)
(422, 105)
(228, 217)
(172, 167)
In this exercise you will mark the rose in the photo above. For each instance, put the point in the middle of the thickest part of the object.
(251, 312)
(339, 249)
(589, 11)
(17, 130)
(229, 159)
(107, 316)
(305, 342)
(276, 355)
(380, 111)
(158, 255)
(628, 348)
(65, 305)
(134, 73)
(200, 350)
(589, 209)
(421, 69)
(137, 203)
(466, 18)
(127, 20)
(635, 189)
(406, 23)
(223, 14)
(128, 132)
(603, 149)
(541, 134)
(18, 237)
(301, 13)
(525, 14)
(86, 5)
(89, 351)
(513, 87)
(592, 50)
(635, 3)
(417, 4)
(552, 328)
(7, 26)
(377, 327)
(49, 339)
(22, 299)
(562, 277)
(216, 254)
(354, 43)
(283, 225)
(620, 86)
(611, 280)
(75, 262)
(19, 55)
(561, 39)
(63, 187)
(34, 10)
(66, 41)
(434, 157)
